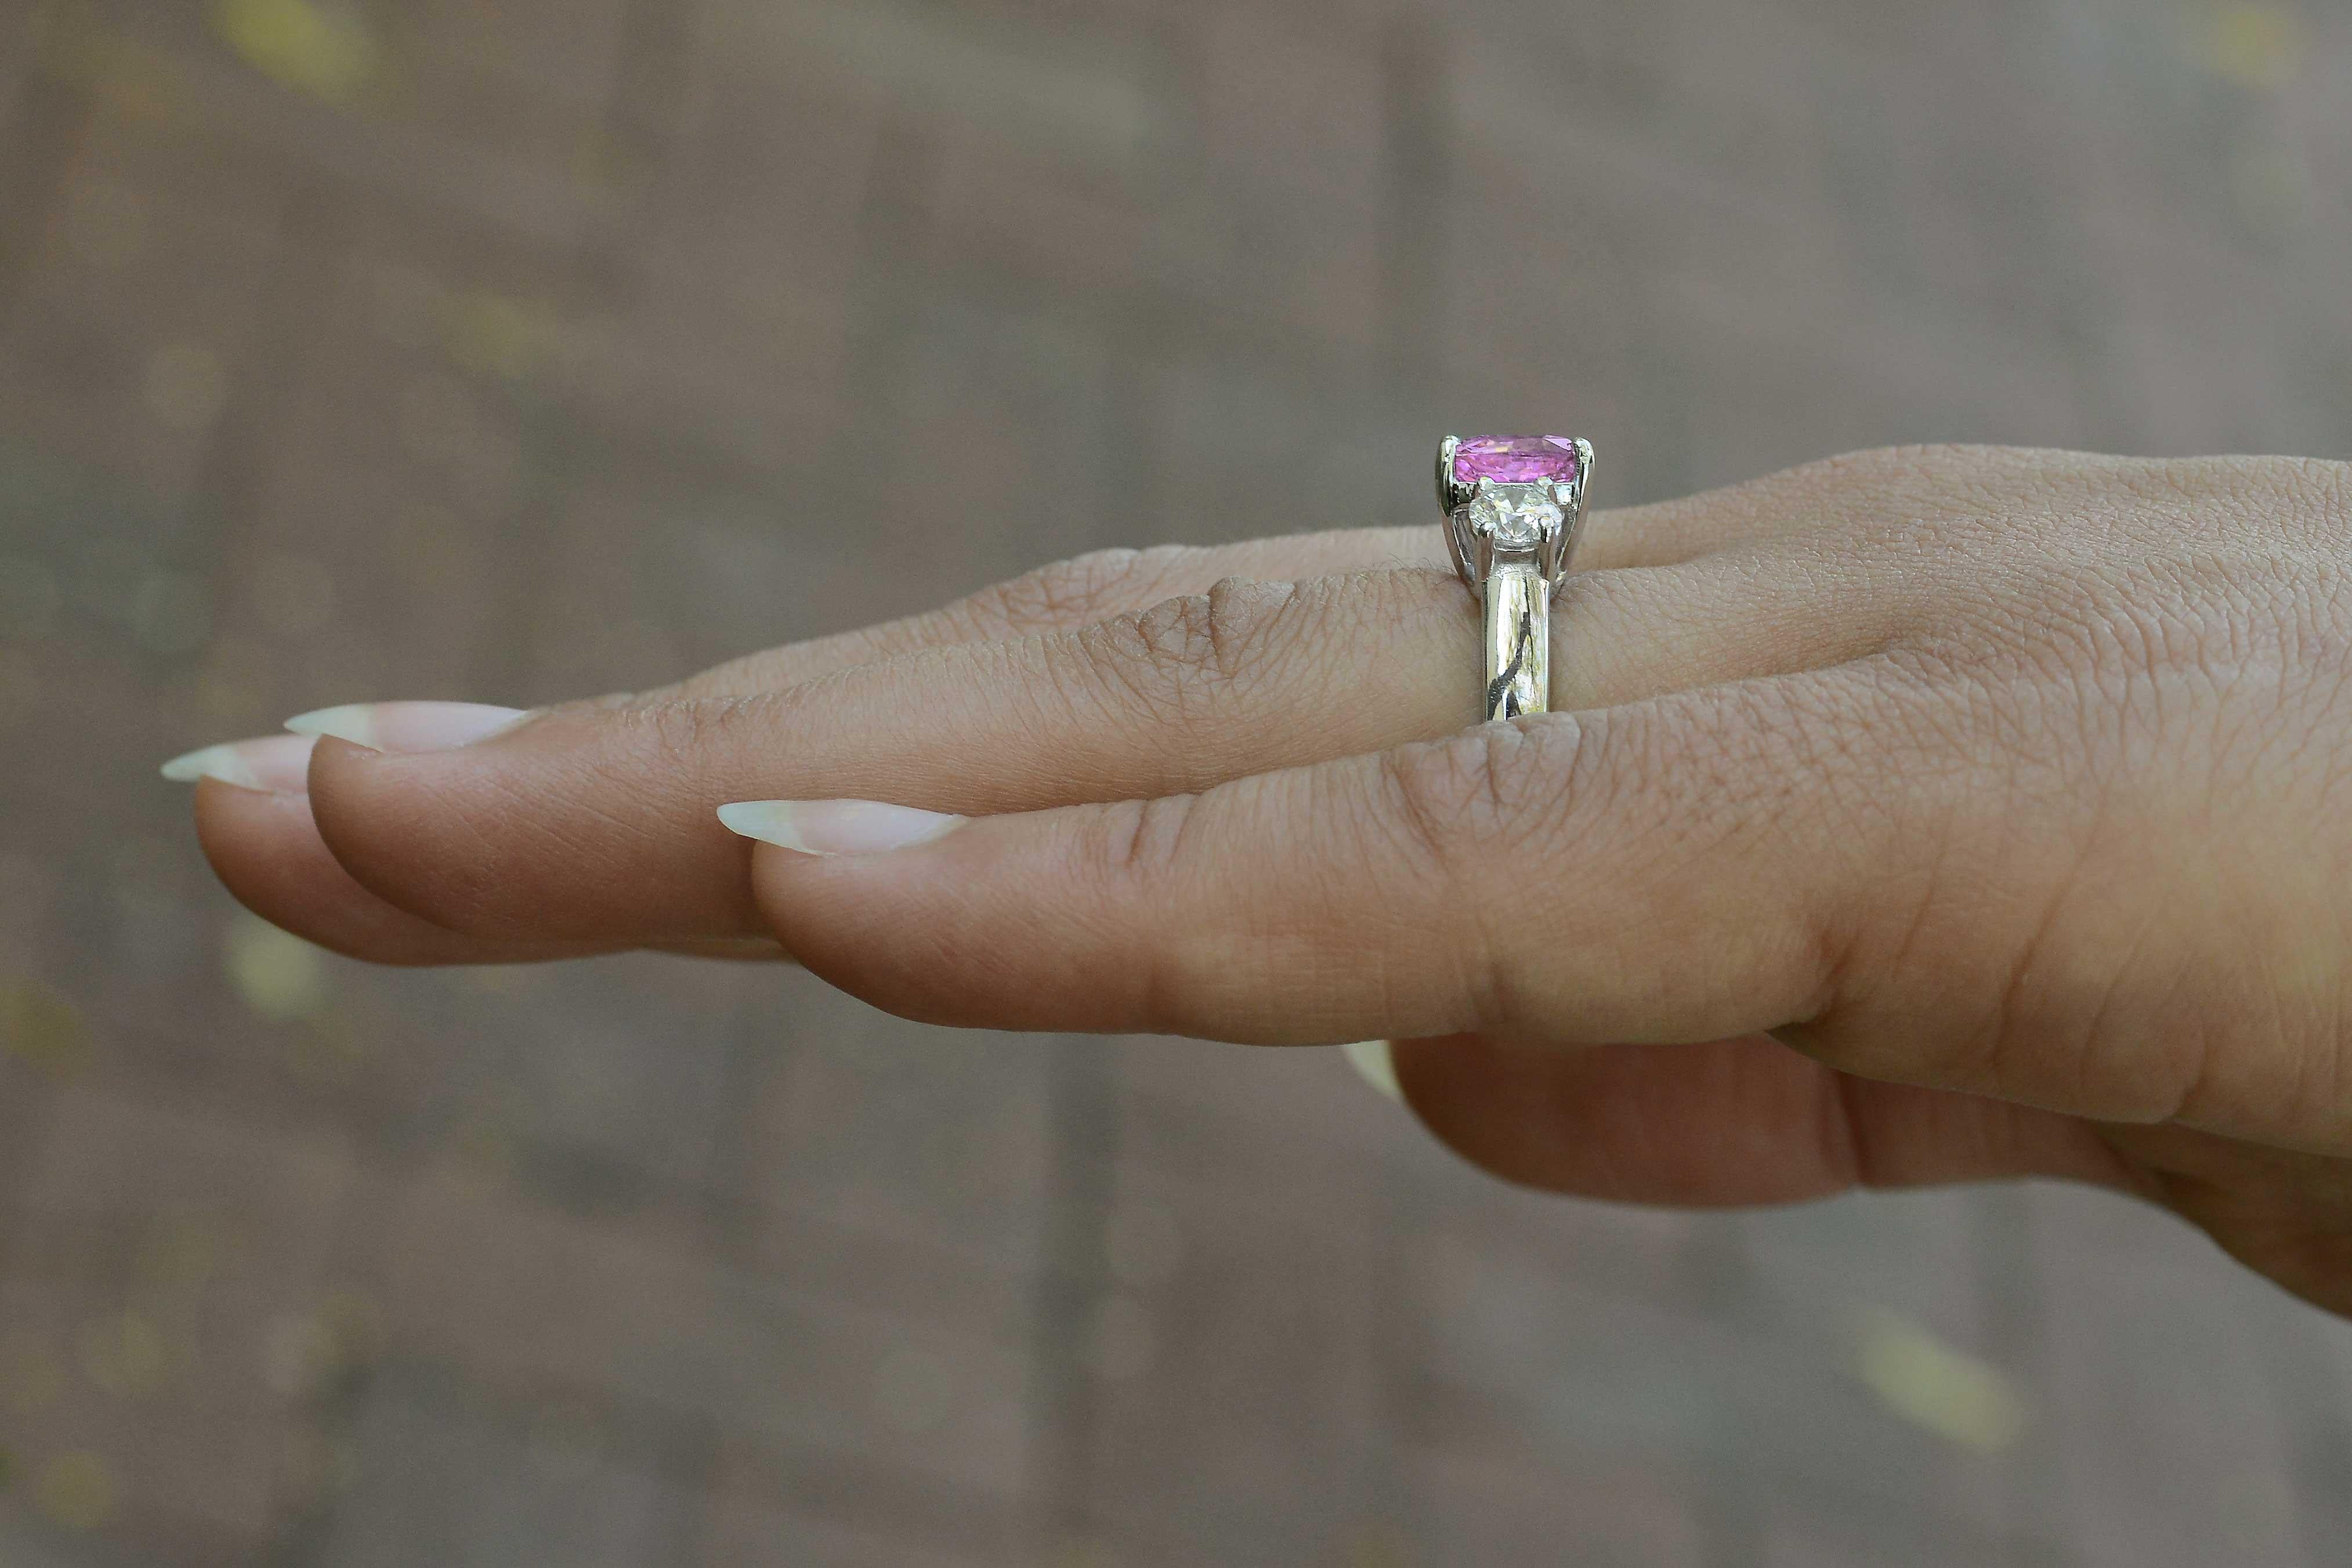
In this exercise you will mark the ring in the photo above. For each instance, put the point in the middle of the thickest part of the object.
(1512, 504)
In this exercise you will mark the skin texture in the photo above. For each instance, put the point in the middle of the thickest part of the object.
(1920, 816)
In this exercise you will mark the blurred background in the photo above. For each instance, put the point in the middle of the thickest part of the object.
(512, 349)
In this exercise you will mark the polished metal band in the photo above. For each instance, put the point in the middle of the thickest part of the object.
(1518, 639)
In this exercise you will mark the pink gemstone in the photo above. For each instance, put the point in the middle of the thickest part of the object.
(1515, 459)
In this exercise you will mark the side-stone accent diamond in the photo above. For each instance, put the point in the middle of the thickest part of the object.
(1515, 518)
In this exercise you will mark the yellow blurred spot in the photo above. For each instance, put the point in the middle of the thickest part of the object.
(123, 1355)
(77, 1491)
(493, 335)
(1948, 1392)
(326, 54)
(1378, 1545)
(279, 975)
(232, 684)
(187, 386)
(2255, 45)
(39, 1026)
(179, 1253)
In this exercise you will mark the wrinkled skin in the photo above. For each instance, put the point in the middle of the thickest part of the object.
(1915, 817)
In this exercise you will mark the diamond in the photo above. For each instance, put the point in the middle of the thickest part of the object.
(1515, 517)
(1515, 459)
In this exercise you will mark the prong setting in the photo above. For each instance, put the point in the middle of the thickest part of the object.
(1528, 514)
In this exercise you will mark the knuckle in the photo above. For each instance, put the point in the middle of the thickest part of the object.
(1164, 655)
(1468, 808)
(1068, 592)
(1144, 839)
(681, 736)
(691, 747)
(1485, 789)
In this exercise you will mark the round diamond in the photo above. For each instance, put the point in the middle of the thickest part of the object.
(1515, 518)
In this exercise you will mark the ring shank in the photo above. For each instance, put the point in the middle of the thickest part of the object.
(1518, 639)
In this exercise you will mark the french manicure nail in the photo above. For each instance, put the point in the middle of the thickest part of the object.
(277, 763)
(1377, 1063)
(407, 727)
(836, 827)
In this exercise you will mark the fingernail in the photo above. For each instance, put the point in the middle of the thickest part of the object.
(1376, 1064)
(408, 726)
(836, 827)
(277, 763)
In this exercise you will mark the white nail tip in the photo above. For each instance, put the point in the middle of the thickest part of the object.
(1376, 1064)
(355, 721)
(770, 821)
(836, 827)
(225, 763)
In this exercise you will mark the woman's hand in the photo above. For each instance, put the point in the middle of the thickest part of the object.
(1915, 817)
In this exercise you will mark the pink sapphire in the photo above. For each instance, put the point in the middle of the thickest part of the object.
(1515, 459)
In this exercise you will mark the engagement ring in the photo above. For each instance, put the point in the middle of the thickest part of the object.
(1512, 504)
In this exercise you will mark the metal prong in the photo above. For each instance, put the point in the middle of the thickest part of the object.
(1557, 559)
(1449, 494)
(1451, 498)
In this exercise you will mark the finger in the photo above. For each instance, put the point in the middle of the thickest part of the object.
(254, 823)
(1725, 1123)
(1246, 678)
(1105, 583)
(276, 852)
(1683, 868)
(274, 862)
(1069, 593)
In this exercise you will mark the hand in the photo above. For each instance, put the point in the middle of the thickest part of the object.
(1917, 817)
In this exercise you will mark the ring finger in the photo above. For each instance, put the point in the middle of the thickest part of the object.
(596, 828)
